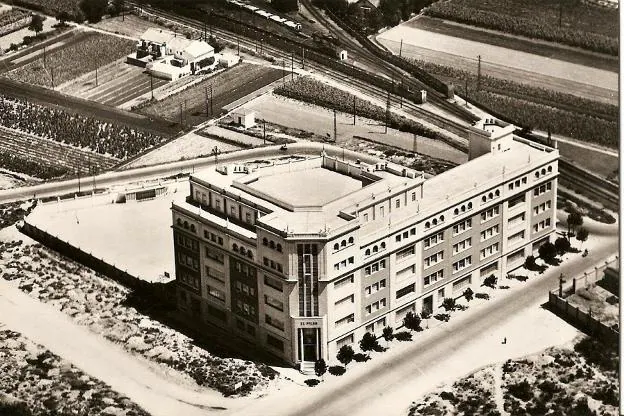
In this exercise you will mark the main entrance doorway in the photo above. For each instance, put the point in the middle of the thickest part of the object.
(428, 304)
(309, 344)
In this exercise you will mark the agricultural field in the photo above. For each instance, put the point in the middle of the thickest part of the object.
(189, 106)
(108, 141)
(54, 7)
(46, 159)
(129, 25)
(582, 380)
(584, 26)
(65, 63)
(13, 20)
(34, 381)
(117, 84)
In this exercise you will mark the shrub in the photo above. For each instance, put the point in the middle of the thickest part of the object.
(468, 294)
(403, 336)
(447, 395)
(311, 382)
(442, 317)
(412, 321)
(369, 342)
(388, 333)
(425, 313)
(336, 370)
(490, 281)
(360, 358)
(345, 354)
(549, 386)
(521, 390)
(320, 367)
(582, 234)
(562, 245)
(482, 296)
(449, 304)
(548, 252)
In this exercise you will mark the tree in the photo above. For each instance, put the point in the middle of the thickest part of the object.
(490, 281)
(575, 219)
(345, 354)
(468, 294)
(369, 342)
(93, 9)
(116, 7)
(582, 234)
(412, 321)
(388, 333)
(529, 263)
(449, 304)
(320, 367)
(285, 5)
(62, 17)
(562, 245)
(36, 23)
(547, 252)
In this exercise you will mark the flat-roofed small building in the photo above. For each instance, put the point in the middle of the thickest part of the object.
(302, 257)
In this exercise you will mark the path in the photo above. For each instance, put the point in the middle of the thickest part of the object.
(126, 374)
(498, 389)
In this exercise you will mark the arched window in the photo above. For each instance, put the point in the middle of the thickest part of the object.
(250, 254)
(441, 218)
(343, 243)
(483, 199)
(336, 247)
(279, 247)
(367, 252)
(463, 208)
(469, 205)
(497, 193)
(549, 169)
(351, 240)
(193, 228)
(375, 249)
(235, 247)
(456, 211)
(490, 195)
(427, 224)
(272, 244)
(537, 174)
(543, 171)
(434, 222)
(186, 224)
(242, 251)
(265, 242)
(383, 246)
(180, 221)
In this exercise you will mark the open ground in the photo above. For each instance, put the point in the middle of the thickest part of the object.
(501, 62)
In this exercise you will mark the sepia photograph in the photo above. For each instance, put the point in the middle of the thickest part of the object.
(310, 208)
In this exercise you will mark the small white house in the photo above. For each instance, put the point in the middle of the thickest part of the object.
(244, 117)
(228, 59)
(342, 54)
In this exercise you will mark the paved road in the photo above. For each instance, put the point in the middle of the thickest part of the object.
(161, 171)
(100, 358)
(381, 387)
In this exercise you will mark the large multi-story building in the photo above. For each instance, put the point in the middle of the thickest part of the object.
(305, 256)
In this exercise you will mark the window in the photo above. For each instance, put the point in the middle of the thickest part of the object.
(490, 213)
(365, 217)
(405, 273)
(489, 269)
(413, 196)
(367, 252)
(433, 240)
(277, 304)
(516, 201)
(232, 210)
(405, 252)
(539, 190)
(516, 219)
(405, 291)
(434, 259)
(462, 283)
(375, 287)
(344, 301)
(275, 323)
(375, 267)
(398, 204)
(375, 306)
(515, 257)
(216, 293)
(462, 264)
(490, 232)
(343, 243)
(490, 250)
(347, 319)
(214, 255)
(273, 283)
(348, 340)
(215, 274)
(343, 282)
(336, 247)
(275, 343)
(248, 217)
(462, 245)
(400, 314)
(516, 237)
(351, 240)
(462, 226)
(432, 278)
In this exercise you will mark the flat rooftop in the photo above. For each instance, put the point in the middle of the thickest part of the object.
(312, 187)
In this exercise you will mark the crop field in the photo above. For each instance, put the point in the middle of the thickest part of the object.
(583, 26)
(46, 159)
(13, 20)
(117, 84)
(65, 63)
(54, 7)
(227, 87)
(502, 62)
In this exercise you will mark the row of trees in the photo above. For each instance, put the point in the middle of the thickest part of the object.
(94, 10)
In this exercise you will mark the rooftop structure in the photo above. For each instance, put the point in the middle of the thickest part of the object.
(304, 256)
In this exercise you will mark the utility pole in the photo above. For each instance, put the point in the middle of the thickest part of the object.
(215, 152)
(561, 285)
(96, 76)
(210, 22)
(44, 56)
(302, 57)
(401, 49)
(264, 131)
(205, 38)
(237, 45)
(292, 66)
(560, 12)
(181, 115)
(479, 75)
(152, 85)
(78, 178)
(415, 142)
(335, 128)
(400, 94)
(387, 111)
(206, 99)
(211, 110)
(52, 75)
(354, 110)
(466, 91)
(283, 71)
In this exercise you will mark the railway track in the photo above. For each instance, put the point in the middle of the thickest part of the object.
(589, 184)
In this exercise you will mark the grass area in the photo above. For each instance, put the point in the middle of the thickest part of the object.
(504, 40)
(532, 107)
(53, 7)
(66, 63)
(560, 381)
(584, 26)
(597, 162)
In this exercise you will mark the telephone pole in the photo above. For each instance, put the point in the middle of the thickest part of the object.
(354, 110)
(401, 49)
(466, 91)
(283, 71)
(264, 131)
(211, 110)
(96, 76)
(479, 75)
(302, 57)
(387, 111)
(152, 85)
(335, 128)
(292, 66)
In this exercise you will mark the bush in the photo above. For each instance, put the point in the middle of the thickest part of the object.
(442, 317)
(388, 333)
(403, 336)
(449, 304)
(412, 321)
(336, 370)
(490, 281)
(345, 354)
(548, 252)
(360, 358)
(447, 395)
(482, 296)
(369, 342)
(320, 367)
(468, 294)
(521, 390)
(311, 382)
(562, 245)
